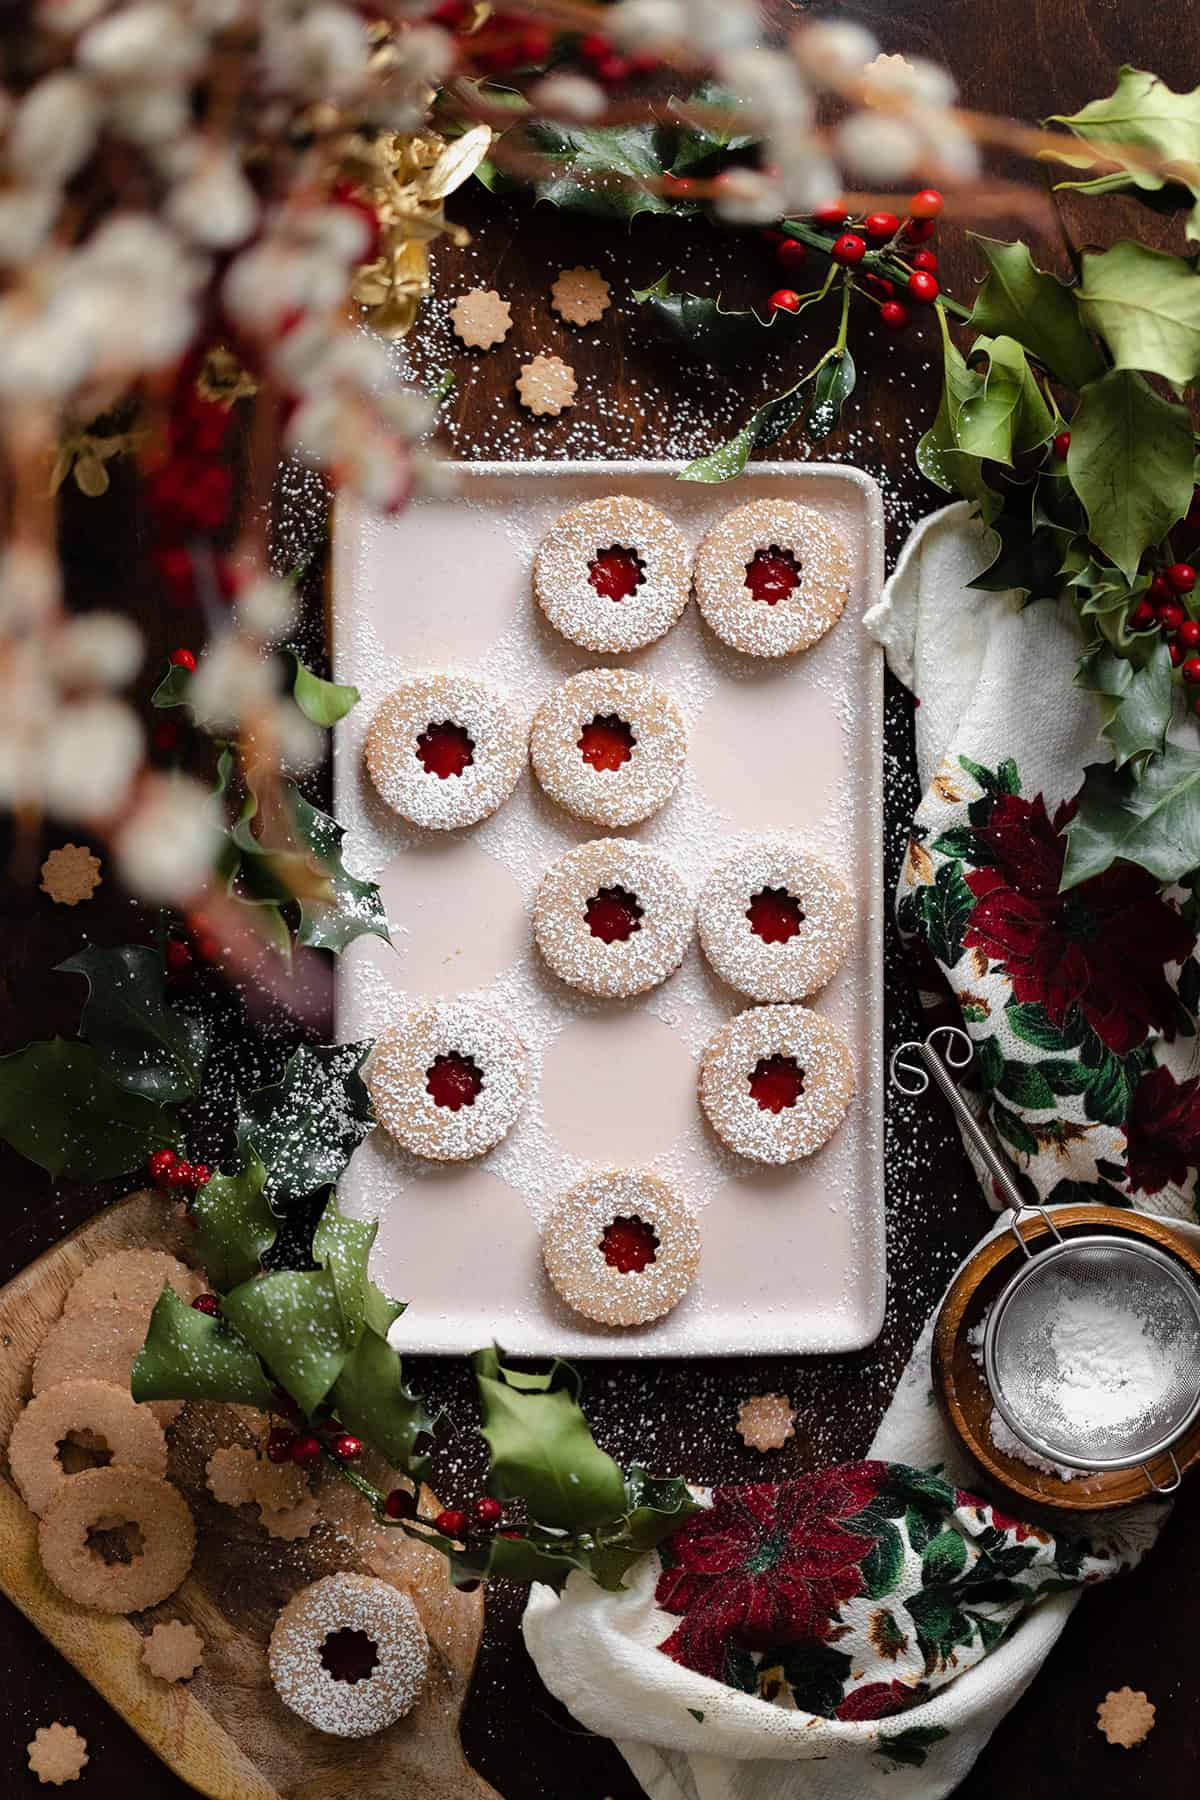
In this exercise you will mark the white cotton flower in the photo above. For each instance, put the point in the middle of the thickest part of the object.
(30, 588)
(152, 116)
(317, 354)
(645, 24)
(140, 43)
(330, 231)
(53, 131)
(913, 79)
(951, 152)
(716, 27)
(315, 428)
(93, 752)
(376, 470)
(26, 218)
(133, 291)
(770, 85)
(266, 608)
(832, 51)
(214, 206)
(878, 146)
(300, 743)
(232, 684)
(428, 54)
(65, 17)
(747, 197)
(433, 477)
(44, 355)
(569, 97)
(409, 413)
(100, 649)
(166, 850)
(320, 54)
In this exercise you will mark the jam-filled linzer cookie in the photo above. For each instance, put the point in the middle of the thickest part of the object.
(613, 574)
(776, 1082)
(621, 1247)
(775, 922)
(771, 577)
(609, 745)
(445, 751)
(612, 918)
(448, 1079)
(349, 1654)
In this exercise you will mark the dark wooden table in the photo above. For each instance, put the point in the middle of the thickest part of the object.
(1019, 56)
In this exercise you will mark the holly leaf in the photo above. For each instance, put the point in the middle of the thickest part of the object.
(1130, 462)
(374, 1403)
(234, 1225)
(343, 1247)
(355, 908)
(293, 1322)
(542, 1450)
(1135, 703)
(1149, 117)
(601, 169)
(1006, 412)
(324, 702)
(1149, 816)
(831, 390)
(697, 144)
(707, 330)
(189, 1356)
(172, 690)
(60, 1108)
(141, 1043)
(656, 1505)
(1018, 300)
(1026, 561)
(943, 908)
(940, 456)
(1146, 306)
(762, 427)
(307, 1125)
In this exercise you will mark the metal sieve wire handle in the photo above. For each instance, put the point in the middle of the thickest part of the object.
(957, 1054)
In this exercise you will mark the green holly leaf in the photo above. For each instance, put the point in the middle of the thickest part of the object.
(172, 690)
(324, 702)
(355, 908)
(940, 456)
(343, 1247)
(60, 1108)
(1148, 815)
(831, 390)
(292, 1320)
(1030, 1022)
(1147, 116)
(1006, 412)
(1146, 306)
(140, 1042)
(1026, 561)
(696, 145)
(1136, 703)
(1014, 1130)
(374, 1403)
(600, 170)
(234, 1225)
(542, 1450)
(1017, 300)
(944, 1558)
(656, 1505)
(705, 329)
(307, 1125)
(190, 1356)
(1130, 462)
(911, 1746)
(762, 427)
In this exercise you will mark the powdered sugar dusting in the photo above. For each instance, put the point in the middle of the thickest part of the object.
(787, 970)
(357, 1603)
(798, 618)
(573, 1247)
(572, 604)
(621, 968)
(639, 786)
(443, 803)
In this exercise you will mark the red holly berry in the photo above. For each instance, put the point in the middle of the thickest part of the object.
(894, 315)
(1171, 616)
(848, 249)
(1181, 577)
(923, 287)
(613, 70)
(400, 1504)
(207, 1303)
(680, 186)
(594, 45)
(534, 44)
(178, 1178)
(345, 1446)
(1191, 668)
(178, 958)
(881, 225)
(1176, 650)
(791, 253)
(1189, 634)
(159, 1165)
(924, 259)
(919, 231)
(925, 205)
(784, 300)
(201, 1176)
(644, 62)
(1158, 591)
(488, 1512)
(165, 736)
(1142, 616)
(183, 659)
(879, 284)
(306, 1450)
(452, 1522)
(1061, 444)
(279, 1444)
(832, 214)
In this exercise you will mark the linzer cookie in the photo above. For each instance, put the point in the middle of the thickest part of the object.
(132, 1278)
(775, 922)
(448, 1079)
(612, 918)
(104, 1499)
(771, 578)
(349, 1655)
(621, 1247)
(445, 751)
(613, 574)
(103, 1344)
(129, 1432)
(776, 1082)
(609, 745)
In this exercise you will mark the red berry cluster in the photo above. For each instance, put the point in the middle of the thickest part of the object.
(608, 65)
(505, 41)
(1165, 607)
(171, 1174)
(877, 233)
(190, 492)
(305, 1448)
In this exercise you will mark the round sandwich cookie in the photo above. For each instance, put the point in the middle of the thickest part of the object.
(448, 1079)
(349, 1655)
(612, 918)
(445, 751)
(771, 578)
(621, 1247)
(105, 1500)
(775, 922)
(609, 745)
(776, 1082)
(613, 574)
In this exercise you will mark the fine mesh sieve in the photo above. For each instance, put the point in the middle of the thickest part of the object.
(1092, 1350)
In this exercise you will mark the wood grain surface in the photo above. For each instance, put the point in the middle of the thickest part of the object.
(1028, 57)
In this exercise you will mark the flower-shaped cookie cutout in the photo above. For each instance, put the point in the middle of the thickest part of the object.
(1126, 1717)
(546, 385)
(57, 1754)
(767, 1421)
(580, 296)
(173, 1651)
(229, 1472)
(70, 874)
(481, 318)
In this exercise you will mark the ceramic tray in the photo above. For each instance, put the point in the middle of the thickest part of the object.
(794, 1257)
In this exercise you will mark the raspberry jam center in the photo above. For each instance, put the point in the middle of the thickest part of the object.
(349, 1656)
(777, 1083)
(613, 915)
(616, 573)
(774, 915)
(454, 1081)
(772, 574)
(607, 742)
(444, 750)
(629, 1245)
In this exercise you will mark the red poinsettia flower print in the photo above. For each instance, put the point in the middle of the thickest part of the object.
(1101, 946)
(765, 1564)
(1163, 1130)
(876, 1699)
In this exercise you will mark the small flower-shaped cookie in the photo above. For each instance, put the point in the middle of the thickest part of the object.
(767, 1421)
(1126, 1717)
(229, 1473)
(70, 874)
(173, 1651)
(57, 1754)
(581, 296)
(481, 318)
(546, 385)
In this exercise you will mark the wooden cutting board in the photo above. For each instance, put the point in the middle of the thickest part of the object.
(226, 1732)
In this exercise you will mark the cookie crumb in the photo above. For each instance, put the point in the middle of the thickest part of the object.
(57, 1754)
(481, 319)
(1126, 1717)
(766, 1421)
(70, 874)
(546, 385)
(580, 296)
(173, 1651)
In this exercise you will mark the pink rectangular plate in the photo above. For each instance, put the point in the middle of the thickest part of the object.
(793, 1258)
